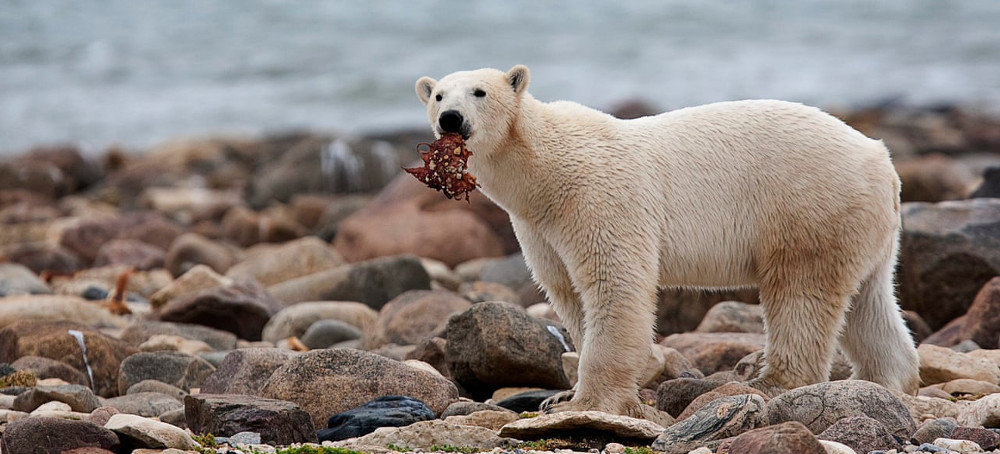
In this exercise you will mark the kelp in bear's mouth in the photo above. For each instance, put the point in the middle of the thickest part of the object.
(446, 167)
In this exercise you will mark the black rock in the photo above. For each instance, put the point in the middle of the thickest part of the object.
(528, 401)
(386, 411)
(990, 187)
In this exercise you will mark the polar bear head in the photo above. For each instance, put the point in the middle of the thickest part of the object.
(481, 105)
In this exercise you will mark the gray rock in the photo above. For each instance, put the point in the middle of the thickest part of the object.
(466, 407)
(278, 422)
(721, 418)
(294, 320)
(50, 368)
(415, 316)
(271, 264)
(19, 280)
(141, 331)
(174, 368)
(147, 404)
(156, 386)
(373, 282)
(245, 371)
(426, 434)
(488, 341)
(148, 433)
(933, 429)
(511, 272)
(861, 433)
(324, 333)
(819, 406)
(55, 436)
(680, 310)
(733, 317)
(245, 439)
(80, 398)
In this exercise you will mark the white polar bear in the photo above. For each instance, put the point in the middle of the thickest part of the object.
(750, 193)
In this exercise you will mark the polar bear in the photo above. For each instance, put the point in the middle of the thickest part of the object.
(760, 193)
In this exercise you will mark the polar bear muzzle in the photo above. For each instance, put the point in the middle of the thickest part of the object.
(451, 121)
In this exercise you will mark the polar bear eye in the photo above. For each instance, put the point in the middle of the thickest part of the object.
(438, 97)
(479, 93)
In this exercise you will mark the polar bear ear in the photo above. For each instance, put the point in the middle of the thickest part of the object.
(517, 77)
(425, 85)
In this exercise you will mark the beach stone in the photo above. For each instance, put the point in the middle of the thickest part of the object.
(148, 404)
(940, 364)
(591, 423)
(833, 447)
(278, 422)
(666, 364)
(980, 324)
(93, 450)
(415, 316)
(985, 438)
(192, 249)
(519, 401)
(425, 434)
(41, 256)
(673, 396)
(962, 446)
(948, 251)
(245, 371)
(450, 236)
(270, 264)
(861, 433)
(385, 411)
(197, 279)
(919, 328)
(932, 429)
(156, 386)
(467, 407)
(52, 340)
(992, 356)
(49, 368)
(43, 435)
(721, 418)
(190, 204)
(247, 228)
(940, 408)
(984, 412)
(819, 406)
(786, 438)
(52, 308)
(733, 317)
(490, 419)
(86, 236)
(728, 389)
(324, 333)
(79, 398)
(134, 253)
(141, 432)
(358, 377)
(966, 386)
(681, 310)
(481, 291)
(178, 369)
(933, 178)
(240, 306)
(373, 282)
(433, 352)
(490, 339)
(17, 279)
(714, 352)
(166, 343)
(295, 320)
(142, 330)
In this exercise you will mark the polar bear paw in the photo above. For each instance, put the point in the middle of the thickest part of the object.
(553, 404)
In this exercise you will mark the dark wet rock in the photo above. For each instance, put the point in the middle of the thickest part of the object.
(324, 333)
(491, 339)
(989, 188)
(141, 331)
(245, 371)
(19, 280)
(241, 307)
(415, 316)
(373, 282)
(156, 386)
(147, 404)
(278, 422)
(820, 405)
(861, 433)
(715, 352)
(733, 317)
(55, 436)
(50, 368)
(178, 369)
(386, 411)
(134, 253)
(786, 438)
(358, 376)
(192, 249)
(721, 418)
(526, 401)
(79, 398)
(673, 396)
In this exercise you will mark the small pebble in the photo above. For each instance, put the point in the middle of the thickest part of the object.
(614, 448)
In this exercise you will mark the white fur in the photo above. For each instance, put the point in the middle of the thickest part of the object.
(749, 193)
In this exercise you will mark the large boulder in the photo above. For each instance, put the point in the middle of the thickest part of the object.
(174, 368)
(56, 308)
(374, 282)
(245, 371)
(721, 418)
(42, 435)
(981, 324)
(819, 406)
(326, 382)
(140, 432)
(278, 422)
(79, 398)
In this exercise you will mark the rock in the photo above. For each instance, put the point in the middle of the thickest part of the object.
(426, 434)
(148, 404)
(156, 386)
(467, 407)
(491, 339)
(245, 371)
(86, 236)
(667, 364)
(522, 401)
(673, 396)
(271, 264)
(933, 178)
(591, 423)
(174, 368)
(450, 236)
(53, 308)
(481, 291)
(55, 436)
(728, 389)
(278, 422)
(245, 439)
(294, 320)
(992, 356)
(940, 364)
(985, 438)
(19, 280)
(240, 306)
(191, 249)
(49, 368)
(721, 418)
(733, 317)
(246, 228)
(133, 253)
(832, 447)
(141, 331)
(373, 282)
(165, 343)
(790, 437)
(917, 326)
(963, 446)
(358, 377)
(415, 316)
(79, 398)
(948, 251)
(324, 333)
(146, 433)
(933, 429)
(921, 406)
(41, 256)
(101, 415)
(680, 310)
(861, 433)
(714, 352)
(385, 411)
(490, 419)
(981, 323)
(965, 386)
(820, 405)
(984, 412)
(53, 340)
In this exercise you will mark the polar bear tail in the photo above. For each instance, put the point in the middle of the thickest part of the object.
(876, 339)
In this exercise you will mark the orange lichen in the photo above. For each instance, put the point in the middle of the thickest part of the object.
(446, 167)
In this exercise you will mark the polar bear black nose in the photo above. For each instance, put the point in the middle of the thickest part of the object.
(451, 121)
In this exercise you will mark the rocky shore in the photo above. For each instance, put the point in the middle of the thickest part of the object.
(299, 294)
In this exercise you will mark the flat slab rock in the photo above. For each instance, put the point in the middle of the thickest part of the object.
(583, 421)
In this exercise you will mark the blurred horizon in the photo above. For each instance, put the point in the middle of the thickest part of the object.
(137, 73)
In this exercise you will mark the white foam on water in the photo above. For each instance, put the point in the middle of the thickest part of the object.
(83, 348)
